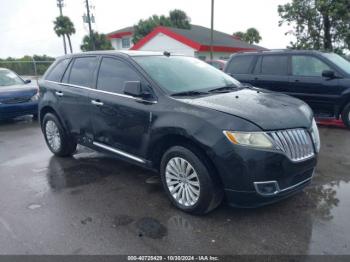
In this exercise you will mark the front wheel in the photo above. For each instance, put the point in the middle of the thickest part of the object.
(346, 115)
(57, 139)
(189, 182)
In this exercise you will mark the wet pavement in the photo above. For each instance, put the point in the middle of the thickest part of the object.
(95, 204)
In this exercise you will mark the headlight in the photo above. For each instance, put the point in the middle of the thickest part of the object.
(35, 97)
(315, 136)
(253, 139)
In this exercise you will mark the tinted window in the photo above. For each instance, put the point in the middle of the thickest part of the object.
(240, 65)
(82, 71)
(307, 66)
(257, 68)
(112, 75)
(274, 65)
(56, 73)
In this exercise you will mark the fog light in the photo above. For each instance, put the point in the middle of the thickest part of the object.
(268, 188)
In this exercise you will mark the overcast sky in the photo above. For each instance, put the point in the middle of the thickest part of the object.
(26, 26)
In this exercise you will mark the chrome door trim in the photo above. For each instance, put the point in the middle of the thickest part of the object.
(119, 152)
(96, 103)
(104, 92)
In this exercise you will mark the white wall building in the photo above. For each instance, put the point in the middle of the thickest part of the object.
(192, 42)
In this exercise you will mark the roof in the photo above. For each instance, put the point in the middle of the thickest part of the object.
(198, 37)
(286, 51)
(115, 52)
(121, 32)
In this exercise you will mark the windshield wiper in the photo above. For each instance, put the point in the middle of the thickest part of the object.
(190, 93)
(223, 89)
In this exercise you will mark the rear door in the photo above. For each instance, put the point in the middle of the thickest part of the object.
(74, 104)
(240, 67)
(308, 84)
(271, 72)
(120, 122)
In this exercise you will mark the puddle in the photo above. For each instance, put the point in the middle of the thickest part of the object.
(151, 228)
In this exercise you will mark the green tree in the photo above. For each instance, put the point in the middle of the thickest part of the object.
(63, 26)
(101, 42)
(251, 36)
(177, 18)
(318, 24)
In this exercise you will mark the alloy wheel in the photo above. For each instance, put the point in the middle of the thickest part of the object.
(53, 135)
(182, 181)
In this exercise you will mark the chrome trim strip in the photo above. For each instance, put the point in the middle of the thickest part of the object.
(277, 186)
(104, 92)
(119, 152)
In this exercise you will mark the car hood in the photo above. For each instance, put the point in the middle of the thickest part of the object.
(268, 110)
(17, 91)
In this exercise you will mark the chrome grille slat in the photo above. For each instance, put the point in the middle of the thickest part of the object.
(295, 143)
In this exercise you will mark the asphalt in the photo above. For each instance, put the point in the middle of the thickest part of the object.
(95, 204)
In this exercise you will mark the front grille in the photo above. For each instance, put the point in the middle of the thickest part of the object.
(15, 100)
(295, 143)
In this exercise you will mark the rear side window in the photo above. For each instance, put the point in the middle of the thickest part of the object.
(274, 65)
(240, 65)
(57, 72)
(113, 73)
(82, 71)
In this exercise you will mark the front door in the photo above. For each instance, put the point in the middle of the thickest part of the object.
(307, 83)
(120, 122)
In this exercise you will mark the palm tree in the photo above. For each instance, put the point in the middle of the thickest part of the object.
(63, 26)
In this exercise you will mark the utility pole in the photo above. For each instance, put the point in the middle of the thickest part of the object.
(212, 30)
(89, 22)
(60, 5)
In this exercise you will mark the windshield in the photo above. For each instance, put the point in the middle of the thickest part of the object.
(181, 74)
(9, 78)
(339, 61)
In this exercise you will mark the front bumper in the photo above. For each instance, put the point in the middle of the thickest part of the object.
(243, 172)
(8, 111)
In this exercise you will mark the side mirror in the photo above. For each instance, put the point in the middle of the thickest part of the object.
(27, 81)
(134, 88)
(328, 74)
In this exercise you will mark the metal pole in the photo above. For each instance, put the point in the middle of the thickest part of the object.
(60, 5)
(212, 30)
(89, 21)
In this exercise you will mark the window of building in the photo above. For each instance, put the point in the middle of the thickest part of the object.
(82, 71)
(125, 42)
(274, 65)
(307, 66)
(113, 74)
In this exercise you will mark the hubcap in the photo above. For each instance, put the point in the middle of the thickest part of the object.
(53, 135)
(182, 181)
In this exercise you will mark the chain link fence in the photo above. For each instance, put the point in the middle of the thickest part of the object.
(32, 68)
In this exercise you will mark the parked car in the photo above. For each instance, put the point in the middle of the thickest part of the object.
(320, 79)
(17, 96)
(206, 134)
(219, 64)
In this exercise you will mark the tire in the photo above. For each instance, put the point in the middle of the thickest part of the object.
(201, 191)
(345, 115)
(57, 139)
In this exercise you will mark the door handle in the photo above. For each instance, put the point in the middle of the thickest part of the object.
(256, 78)
(96, 103)
(59, 93)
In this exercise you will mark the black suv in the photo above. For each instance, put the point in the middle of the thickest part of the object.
(320, 79)
(205, 133)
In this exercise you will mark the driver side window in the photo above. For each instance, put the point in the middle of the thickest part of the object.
(307, 66)
(112, 75)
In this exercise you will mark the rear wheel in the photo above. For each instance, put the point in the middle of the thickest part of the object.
(57, 139)
(346, 115)
(188, 181)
